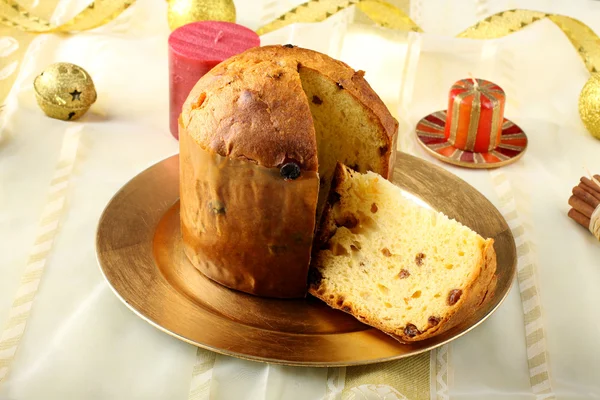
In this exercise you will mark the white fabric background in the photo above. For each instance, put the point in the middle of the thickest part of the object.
(81, 343)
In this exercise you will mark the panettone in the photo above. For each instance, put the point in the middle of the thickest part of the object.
(260, 136)
(407, 270)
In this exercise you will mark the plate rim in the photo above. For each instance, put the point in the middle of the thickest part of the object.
(294, 363)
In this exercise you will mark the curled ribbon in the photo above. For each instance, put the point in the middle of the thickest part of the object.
(100, 12)
(381, 12)
(96, 14)
(585, 41)
(20, 20)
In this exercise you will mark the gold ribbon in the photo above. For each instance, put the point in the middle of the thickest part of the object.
(381, 12)
(581, 36)
(96, 14)
(585, 41)
(18, 21)
(100, 12)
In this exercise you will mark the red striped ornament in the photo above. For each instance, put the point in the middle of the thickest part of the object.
(473, 131)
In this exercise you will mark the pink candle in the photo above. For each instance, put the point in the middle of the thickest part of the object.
(194, 49)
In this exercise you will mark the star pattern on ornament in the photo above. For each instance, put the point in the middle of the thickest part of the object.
(75, 93)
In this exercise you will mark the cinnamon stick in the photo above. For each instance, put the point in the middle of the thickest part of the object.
(581, 206)
(590, 190)
(586, 196)
(579, 218)
(590, 183)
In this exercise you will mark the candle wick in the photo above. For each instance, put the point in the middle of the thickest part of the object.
(219, 36)
(475, 84)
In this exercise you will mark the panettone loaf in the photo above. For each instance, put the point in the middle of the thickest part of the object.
(260, 136)
(407, 270)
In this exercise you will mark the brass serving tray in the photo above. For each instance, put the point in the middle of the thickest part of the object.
(140, 253)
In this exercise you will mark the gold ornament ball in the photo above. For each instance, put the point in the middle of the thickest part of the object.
(589, 105)
(183, 12)
(64, 91)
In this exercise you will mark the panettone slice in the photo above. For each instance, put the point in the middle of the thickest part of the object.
(407, 270)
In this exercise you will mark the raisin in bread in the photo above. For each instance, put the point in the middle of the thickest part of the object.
(402, 268)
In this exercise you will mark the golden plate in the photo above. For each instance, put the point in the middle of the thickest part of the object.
(140, 254)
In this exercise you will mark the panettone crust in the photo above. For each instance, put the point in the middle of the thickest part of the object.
(252, 108)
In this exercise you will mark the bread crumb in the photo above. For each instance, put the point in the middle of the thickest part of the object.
(383, 289)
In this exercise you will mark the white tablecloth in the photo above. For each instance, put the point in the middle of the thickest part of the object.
(82, 343)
